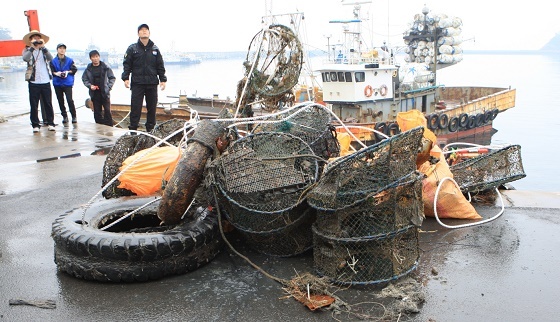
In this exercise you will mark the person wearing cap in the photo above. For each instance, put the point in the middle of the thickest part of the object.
(38, 57)
(99, 78)
(63, 70)
(143, 60)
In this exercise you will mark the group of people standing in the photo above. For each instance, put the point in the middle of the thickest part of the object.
(143, 71)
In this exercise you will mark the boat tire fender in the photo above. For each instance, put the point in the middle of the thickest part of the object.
(433, 121)
(453, 124)
(443, 121)
(479, 119)
(487, 116)
(472, 122)
(368, 91)
(383, 90)
(494, 114)
(380, 127)
(463, 120)
(84, 250)
(393, 129)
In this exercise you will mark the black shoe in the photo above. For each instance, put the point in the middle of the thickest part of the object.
(74, 120)
(65, 120)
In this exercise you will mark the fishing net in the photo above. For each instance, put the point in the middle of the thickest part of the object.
(351, 179)
(394, 208)
(262, 180)
(272, 68)
(292, 239)
(128, 145)
(311, 123)
(366, 260)
(489, 170)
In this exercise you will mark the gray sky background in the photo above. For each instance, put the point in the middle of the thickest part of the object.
(226, 25)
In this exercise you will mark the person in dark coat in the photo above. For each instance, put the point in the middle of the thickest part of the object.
(143, 60)
(99, 78)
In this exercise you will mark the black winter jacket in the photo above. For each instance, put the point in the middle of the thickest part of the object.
(145, 63)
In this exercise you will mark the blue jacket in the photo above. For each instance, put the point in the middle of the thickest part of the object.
(69, 65)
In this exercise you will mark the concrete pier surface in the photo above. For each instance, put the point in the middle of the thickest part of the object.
(505, 270)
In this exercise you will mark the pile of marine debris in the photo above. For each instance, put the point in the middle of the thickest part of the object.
(285, 182)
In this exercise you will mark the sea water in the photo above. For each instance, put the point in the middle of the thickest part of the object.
(533, 122)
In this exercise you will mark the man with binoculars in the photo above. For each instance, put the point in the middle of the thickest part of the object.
(38, 77)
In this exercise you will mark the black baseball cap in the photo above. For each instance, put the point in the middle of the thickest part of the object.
(143, 26)
(61, 45)
(93, 52)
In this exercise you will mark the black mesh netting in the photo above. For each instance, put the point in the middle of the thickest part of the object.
(366, 260)
(489, 170)
(392, 209)
(261, 181)
(369, 205)
(128, 145)
(351, 179)
(311, 123)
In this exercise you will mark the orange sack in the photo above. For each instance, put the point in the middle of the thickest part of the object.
(147, 175)
(451, 203)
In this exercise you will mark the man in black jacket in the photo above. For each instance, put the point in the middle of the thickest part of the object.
(144, 61)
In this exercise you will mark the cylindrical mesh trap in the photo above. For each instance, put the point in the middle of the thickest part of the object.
(262, 180)
(351, 179)
(489, 170)
(311, 123)
(366, 260)
(389, 210)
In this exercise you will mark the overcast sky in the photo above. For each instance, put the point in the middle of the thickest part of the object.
(227, 25)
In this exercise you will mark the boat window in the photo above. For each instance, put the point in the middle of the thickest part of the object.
(348, 76)
(360, 77)
(333, 76)
(326, 77)
(341, 76)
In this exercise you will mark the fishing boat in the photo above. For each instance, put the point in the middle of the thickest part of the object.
(183, 108)
(368, 87)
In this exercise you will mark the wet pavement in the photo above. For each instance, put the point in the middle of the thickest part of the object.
(506, 270)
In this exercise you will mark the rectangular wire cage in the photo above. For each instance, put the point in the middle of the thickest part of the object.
(489, 170)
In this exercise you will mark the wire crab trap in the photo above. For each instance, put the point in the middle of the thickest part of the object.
(489, 170)
(311, 123)
(262, 180)
(293, 239)
(351, 179)
(395, 207)
(366, 260)
(128, 145)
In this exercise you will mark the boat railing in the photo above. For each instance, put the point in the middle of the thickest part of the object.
(362, 61)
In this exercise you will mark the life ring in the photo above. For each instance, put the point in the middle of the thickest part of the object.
(453, 124)
(443, 121)
(433, 121)
(368, 91)
(494, 114)
(383, 90)
(463, 120)
(380, 127)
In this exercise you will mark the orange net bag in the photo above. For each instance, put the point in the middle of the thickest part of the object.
(148, 175)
